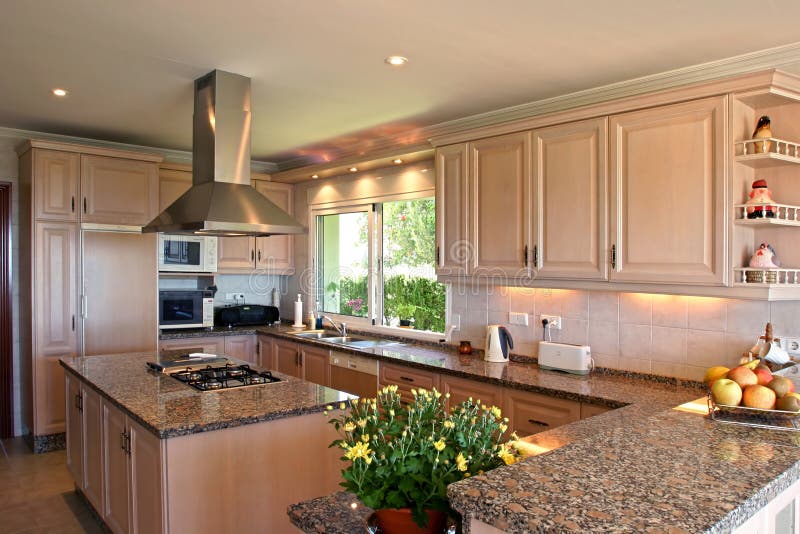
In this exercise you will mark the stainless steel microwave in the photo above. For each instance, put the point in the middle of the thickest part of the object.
(189, 308)
(187, 253)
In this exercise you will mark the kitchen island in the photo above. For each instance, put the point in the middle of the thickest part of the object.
(152, 454)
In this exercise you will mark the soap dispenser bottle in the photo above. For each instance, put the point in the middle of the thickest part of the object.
(298, 312)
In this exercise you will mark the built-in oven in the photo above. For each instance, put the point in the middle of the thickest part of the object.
(185, 308)
(187, 253)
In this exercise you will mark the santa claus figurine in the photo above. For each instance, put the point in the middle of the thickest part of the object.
(765, 258)
(759, 204)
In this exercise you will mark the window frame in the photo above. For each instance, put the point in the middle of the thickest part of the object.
(374, 208)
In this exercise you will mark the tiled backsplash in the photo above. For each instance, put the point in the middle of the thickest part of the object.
(660, 334)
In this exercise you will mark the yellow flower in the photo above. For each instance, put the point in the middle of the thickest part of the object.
(362, 423)
(439, 445)
(496, 411)
(449, 424)
(349, 426)
(342, 406)
(436, 394)
(461, 462)
(329, 407)
(365, 438)
(503, 428)
(505, 453)
(414, 392)
(359, 450)
(391, 413)
(466, 475)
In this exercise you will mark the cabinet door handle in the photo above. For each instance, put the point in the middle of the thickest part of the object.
(407, 379)
(613, 256)
(535, 256)
(73, 323)
(437, 255)
(128, 442)
(122, 440)
(79, 402)
(259, 255)
(84, 204)
(540, 423)
(72, 204)
(525, 255)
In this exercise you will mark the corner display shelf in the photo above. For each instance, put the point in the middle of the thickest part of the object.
(766, 277)
(785, 215)
(767, 152)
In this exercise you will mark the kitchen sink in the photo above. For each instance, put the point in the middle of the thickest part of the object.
(349, 341)
(312, 335)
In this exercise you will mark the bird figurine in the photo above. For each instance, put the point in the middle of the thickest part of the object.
(762, 131)
(760, 203)
(765, 258)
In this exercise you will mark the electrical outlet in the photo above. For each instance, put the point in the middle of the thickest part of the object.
(455, 321)
(791, 345)
(553, 321)
(234, 297)
(518, 318)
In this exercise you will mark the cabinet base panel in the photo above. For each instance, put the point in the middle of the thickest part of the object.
(46, 442)
(95, 516)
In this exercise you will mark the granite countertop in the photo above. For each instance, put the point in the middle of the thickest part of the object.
(169, 408)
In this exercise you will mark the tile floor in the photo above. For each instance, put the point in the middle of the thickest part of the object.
(37, 493)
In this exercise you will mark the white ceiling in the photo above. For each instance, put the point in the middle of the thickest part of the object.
(319, 82)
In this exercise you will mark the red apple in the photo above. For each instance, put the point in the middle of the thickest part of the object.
(755, 396)
(742, 376)
(726, 391)
(763, 375)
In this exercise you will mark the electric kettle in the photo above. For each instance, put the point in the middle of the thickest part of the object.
(498, 341)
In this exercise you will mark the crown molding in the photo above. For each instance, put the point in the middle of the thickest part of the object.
(169, 155)
(703, 72)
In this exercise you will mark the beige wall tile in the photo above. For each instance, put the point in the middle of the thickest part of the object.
(609, 361)
(707, 313)
(694, 372)
(634, 342)
(747, 316)
(677, 370)
(498, 299)
(574, 331)
(604, 337)
(574, 303)
(735, 345)
(785, 318)
(547, 301)
(520, 299)
(705, 348)
(603, 306)
(669, 345)
(636, 308)
(670, 310)
(635, 364)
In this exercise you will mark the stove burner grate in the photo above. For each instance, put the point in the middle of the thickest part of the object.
(224, 377)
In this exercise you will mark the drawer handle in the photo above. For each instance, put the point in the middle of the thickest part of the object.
(540, 423)
(406, 379)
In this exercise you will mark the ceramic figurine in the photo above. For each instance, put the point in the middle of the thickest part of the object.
(765, 258)
(762, 130)
(758, 205)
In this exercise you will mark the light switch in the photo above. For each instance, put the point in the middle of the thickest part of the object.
(518, 318)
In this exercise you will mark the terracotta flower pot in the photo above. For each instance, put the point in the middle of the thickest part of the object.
(400, 521)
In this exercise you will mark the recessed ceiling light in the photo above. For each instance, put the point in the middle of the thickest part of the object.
(397, 161)
(59, 92)
(353, 169)
(315, 176)
(396, 61)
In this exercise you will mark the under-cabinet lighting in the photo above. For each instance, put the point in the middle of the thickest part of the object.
(59, 92)
(396, 61)
(397, 161)
(315, 176)
(353, 169)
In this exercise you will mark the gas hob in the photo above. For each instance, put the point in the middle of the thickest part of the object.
(214, 374)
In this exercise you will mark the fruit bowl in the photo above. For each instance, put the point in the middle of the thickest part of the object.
(755, 417)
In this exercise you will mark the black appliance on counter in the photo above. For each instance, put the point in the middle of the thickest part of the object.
(245, 315)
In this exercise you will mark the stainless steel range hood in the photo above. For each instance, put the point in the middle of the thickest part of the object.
(221, 201)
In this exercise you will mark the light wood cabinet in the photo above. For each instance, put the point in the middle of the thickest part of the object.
(236, 254)
(315, 365)
(569, 197)
(133, 475)
(590, 410)
(276, 253)
(209, 344)
(118, 191)
(530, 413)
(406, 378)
(266, 359)
(55, 288)
(115, 472)
(49, 410)
(499, 216)
(56, 185)
(461, 389)
(173, 181)
(92, 412)
(241, 347)
(74, 428)
(287, 357)
(453, 252)
(668, 193)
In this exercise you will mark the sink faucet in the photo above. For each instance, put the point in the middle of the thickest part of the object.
(342, 330)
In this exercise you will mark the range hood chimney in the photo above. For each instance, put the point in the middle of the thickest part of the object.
(221, 201)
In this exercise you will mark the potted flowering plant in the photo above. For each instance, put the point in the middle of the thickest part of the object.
(403, 456)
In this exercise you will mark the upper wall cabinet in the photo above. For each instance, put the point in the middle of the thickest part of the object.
(173, 181)
(451, 210)
(668, 194)
(276, 253)
(118, 191)
(56, 195)
(499, 207)
(569, 196)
